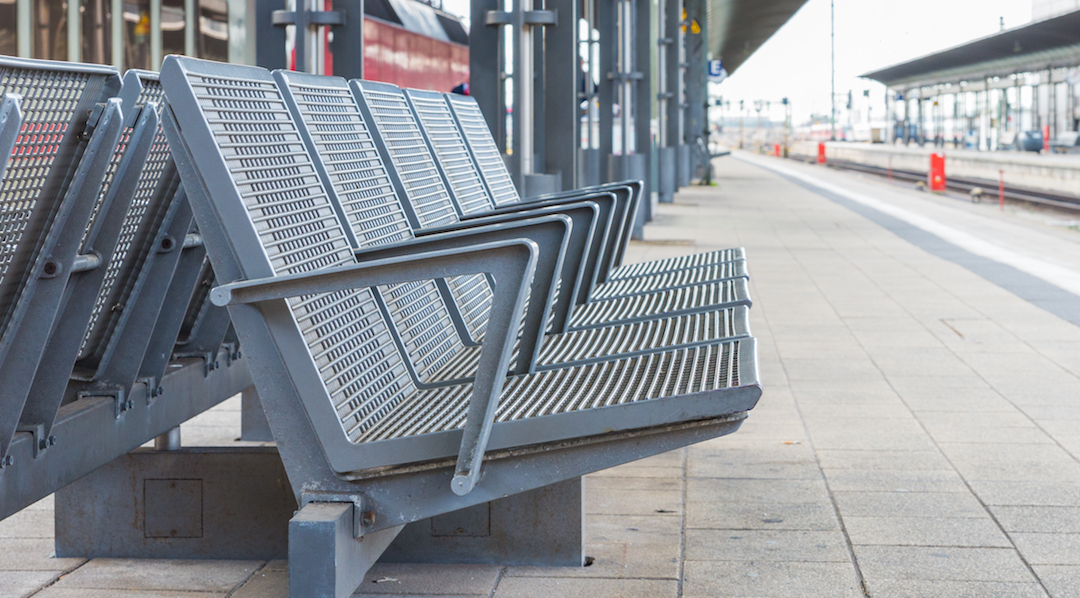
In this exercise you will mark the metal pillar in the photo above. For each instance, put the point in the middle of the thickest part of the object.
(562, 79)
(486, 73)
(670, 98)
(347, 43)
(697, 94)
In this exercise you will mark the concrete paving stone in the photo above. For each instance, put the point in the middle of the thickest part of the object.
(925, 531)
(166, 575)
(1015, 462)
(20, 584)
(775, 516)
(541, 587)
(788, 470)
(33, 554)
(1051, 412)
(880, 323)
(852, 438)
(634, 471)
(729, 491)
(796, 349)
(612, 482)
(894, 480)
(929, 361)
(896, 339)
(1027, 493)
(921, 385)
(882, 459)
(617, 501)
(926, 404)
(617, 560)
(817, 369)
(1038, 519)
(55, 592)
(632, 528)
(1048, 548)
(265, 583)
(906, 588)
(1060, 580)
(430, 579)
(908, 504)
(670, 458)
(940, 563)
(766, 545)
(849, 391)
(947, 433)
(45, 504)
(883, 412)
(755, 579)
(28, 523)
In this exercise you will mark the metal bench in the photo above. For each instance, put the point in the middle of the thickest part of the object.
(367, 446)
(646, 298)
(334, 136)
(96, 235)
(472, 128)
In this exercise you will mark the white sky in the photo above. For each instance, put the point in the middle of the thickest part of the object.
(870, 34)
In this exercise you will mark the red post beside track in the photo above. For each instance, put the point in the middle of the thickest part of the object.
(936, 175)
(820, 153)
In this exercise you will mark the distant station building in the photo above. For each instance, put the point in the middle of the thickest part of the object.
(994, 92)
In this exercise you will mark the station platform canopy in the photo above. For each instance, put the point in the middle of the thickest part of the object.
(737, 28)
(1047, 44)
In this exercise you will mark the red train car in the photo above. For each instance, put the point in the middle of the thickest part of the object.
(412, 44)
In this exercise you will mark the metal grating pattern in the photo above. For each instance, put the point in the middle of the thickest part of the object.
(49, 101)
(660, 304)
(437, 121)
(645, 336)
(356, 172)
(421, 318)
(376, 217)
(288, 207)
(411, 158)
(649, 377)
(473, 297)
(137, 233)
(487, 154)
(669, 280)
(683, 262)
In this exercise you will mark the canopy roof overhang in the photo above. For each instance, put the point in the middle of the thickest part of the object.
(1047, 44)
(737, 28)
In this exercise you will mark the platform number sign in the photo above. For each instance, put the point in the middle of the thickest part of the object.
(716, 71)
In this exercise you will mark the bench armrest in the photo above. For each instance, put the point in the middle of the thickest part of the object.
(550, 233)
(511, 262)
(584, 245)
(630, 192)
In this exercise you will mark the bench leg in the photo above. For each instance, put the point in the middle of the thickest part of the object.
(325, 560)
(253, 424)
(542, 527)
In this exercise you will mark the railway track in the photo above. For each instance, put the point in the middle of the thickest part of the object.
(964, 185)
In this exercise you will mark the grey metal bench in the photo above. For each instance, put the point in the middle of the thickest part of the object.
(639, 305)
(470, 124)
(334, 134)
(366, 445)
(94, 250)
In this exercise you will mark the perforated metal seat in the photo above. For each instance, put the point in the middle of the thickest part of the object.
(316, 334)
(336, 134)
(472, 126)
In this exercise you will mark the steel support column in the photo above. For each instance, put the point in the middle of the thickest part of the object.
(562, 77)
(697, 94)
(670, 97)
(486, 81)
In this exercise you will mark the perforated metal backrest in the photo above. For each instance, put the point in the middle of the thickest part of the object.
(157, 186)
(57, 99)
(272, 197)
(395, 126)
(360, 186)
(438, 125)
(408, 152)
(488, 157)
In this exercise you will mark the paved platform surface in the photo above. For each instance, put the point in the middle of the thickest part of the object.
(918, 437)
